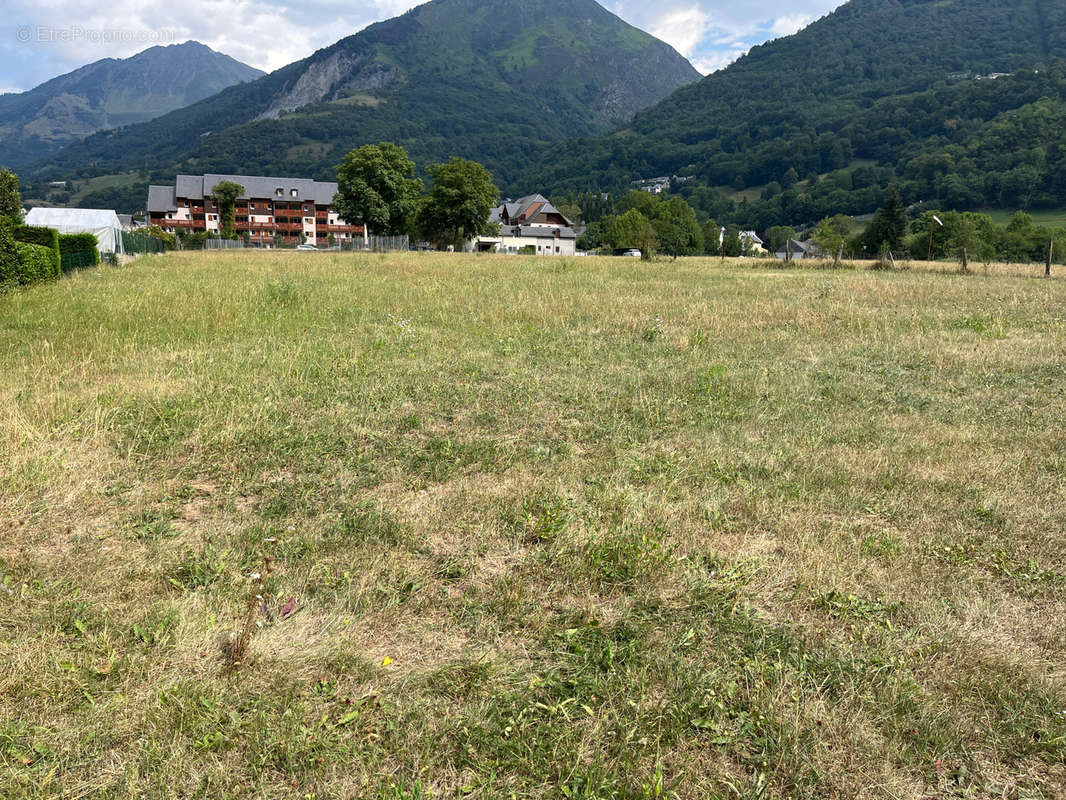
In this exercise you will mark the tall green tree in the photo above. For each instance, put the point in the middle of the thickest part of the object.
(777, 236)
(377, 187)
(677, 229)
(226, 194)
(827, 237)
(633, 230)
(10, 199)
(973, 236)
(458, 205)
(712, 237)
(889, 225)
(731, 244)
(644, 202)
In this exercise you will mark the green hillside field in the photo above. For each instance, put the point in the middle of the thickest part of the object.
(586, 528)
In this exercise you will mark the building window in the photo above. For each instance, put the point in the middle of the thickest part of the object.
(279, 192)
(293, 193)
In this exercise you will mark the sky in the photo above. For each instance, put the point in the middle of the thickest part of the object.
(38, 40)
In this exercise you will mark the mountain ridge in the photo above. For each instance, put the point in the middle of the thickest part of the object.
(449, 77)
(111, 93)
(823, 101)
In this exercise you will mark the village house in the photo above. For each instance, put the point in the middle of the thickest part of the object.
(750, 242)
(795, 250)
(290, 210)
(529, 225)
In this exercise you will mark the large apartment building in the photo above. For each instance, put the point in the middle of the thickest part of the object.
(294, 209)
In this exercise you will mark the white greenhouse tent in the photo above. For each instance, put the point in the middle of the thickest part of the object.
(104, 224)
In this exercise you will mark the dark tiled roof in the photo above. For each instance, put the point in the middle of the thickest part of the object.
(196, 187)
(161, 199)
(530, 205)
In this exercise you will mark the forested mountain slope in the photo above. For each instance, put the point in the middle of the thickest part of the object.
(491, 81)
(868, 89)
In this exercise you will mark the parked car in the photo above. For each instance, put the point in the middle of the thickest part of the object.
(634, 253)
(306, 247)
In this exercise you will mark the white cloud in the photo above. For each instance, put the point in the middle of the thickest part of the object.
(789, 24)
(257, 33)
(717, 60)
(272, 33)
(683, 28)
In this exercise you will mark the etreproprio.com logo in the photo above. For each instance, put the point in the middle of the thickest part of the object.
(47, 34)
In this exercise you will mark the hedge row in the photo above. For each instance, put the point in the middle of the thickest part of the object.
(41, 236)
(78, 250)
(37, 263)
(10, 260)
(22, 263)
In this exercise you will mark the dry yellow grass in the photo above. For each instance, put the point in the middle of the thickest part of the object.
(578, 528)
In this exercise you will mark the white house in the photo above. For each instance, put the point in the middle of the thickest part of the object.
(529, 225)
(795, 250)
(749, 240)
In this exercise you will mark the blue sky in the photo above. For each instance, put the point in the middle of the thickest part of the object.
(38, 39)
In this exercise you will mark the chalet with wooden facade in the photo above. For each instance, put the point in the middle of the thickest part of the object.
(289, 210)
(529, 225)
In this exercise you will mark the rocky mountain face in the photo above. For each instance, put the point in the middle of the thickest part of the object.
(490, 81)
(111, 93)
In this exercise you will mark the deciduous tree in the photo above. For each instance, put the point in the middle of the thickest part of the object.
(633, 230)
(459, 203)
(677, 229)
(777, 236)
(376, 187)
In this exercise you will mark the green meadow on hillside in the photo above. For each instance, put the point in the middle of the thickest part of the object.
(587, 528)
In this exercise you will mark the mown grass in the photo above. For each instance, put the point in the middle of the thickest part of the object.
(562, 528)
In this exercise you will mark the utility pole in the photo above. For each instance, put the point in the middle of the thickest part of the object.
(1050, 256)
(935, 219)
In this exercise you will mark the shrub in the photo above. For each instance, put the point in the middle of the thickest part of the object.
(44, 237)
(10, 261)
(78, 250)
(22, 263)
(37, 263)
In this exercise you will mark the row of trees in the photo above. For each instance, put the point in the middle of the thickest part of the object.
(645, 222)
(668, 224)
(948, 235)
(377, 188)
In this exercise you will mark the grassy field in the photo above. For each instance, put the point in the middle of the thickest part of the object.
(1049, 219)
(544, 529)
